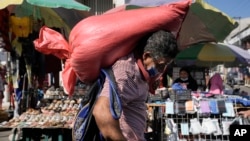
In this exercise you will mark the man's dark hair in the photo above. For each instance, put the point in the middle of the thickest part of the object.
(161, 44)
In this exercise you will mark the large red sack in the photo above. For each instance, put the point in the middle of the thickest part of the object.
(98, 41)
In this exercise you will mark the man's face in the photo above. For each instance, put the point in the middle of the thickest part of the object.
(161, 64)
(155, 66)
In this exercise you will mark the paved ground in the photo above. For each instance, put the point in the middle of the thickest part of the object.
(4, 134)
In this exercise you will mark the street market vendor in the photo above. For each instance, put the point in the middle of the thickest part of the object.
(186, 80)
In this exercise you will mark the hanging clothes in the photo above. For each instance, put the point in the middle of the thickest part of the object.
(21, 26)
(4, 28)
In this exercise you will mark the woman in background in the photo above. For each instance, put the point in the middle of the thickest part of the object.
(186, 80)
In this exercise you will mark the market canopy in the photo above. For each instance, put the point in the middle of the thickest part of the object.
(5, 3)
(212, 54)
(69, 4)
(23, 18)
(60, 17)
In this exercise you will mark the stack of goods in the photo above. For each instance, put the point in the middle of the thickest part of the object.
(3, 115)
(58, 114)
(53, 93)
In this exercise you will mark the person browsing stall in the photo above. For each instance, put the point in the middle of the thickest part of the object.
(132, 72)
(186, 80)
(245, 114)
(215, 84)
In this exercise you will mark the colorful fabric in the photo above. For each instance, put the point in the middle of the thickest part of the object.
(184, 129)
(204, 107)
(191, 84)
(169, 107)
(180, 108)
(229, 110)
(189, 106)
(21, 26)
(221, 106)
(178, 86)
(244, 102)
(213, 107)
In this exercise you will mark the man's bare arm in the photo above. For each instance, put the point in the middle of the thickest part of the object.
(108, 126)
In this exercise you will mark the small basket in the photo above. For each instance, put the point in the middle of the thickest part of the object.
(180, 95)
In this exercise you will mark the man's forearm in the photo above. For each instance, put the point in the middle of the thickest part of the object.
(108, 126)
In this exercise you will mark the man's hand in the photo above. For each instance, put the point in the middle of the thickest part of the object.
(245, 114)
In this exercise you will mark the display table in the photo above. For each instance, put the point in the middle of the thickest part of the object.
(221, 109)
(156, 104)
(156, 122)
(55, 120)
(57, 129)
(57, 134)
(36, 134)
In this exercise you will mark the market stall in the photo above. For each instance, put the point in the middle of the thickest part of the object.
(206, 113)
(58, 112)
(195, 117)
(52, 119)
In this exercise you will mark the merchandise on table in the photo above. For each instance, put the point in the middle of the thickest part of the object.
(58, 114)
(202, 117)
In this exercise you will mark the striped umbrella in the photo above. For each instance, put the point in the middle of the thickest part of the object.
(64, 18)
(69, 4)
(212, 54)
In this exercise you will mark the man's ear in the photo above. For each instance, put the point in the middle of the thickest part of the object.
(146, 55)
(147, 58)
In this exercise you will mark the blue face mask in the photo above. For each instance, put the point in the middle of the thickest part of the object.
(152, 72)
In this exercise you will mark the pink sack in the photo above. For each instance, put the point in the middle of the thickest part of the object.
(98, 41)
